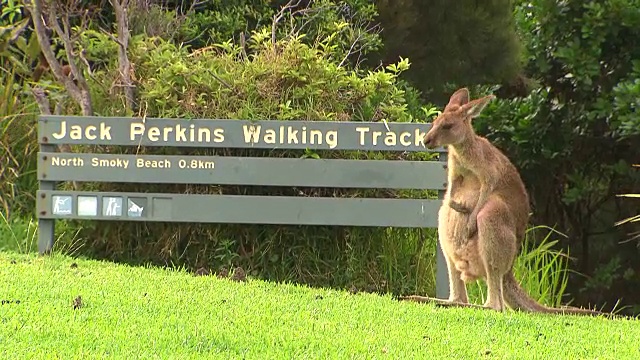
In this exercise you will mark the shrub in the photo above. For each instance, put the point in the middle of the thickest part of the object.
(574, 135)
(468, 43)
(288, 81)
(18, 148)
(17, 113)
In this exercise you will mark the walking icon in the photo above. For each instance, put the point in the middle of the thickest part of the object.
(112, 206)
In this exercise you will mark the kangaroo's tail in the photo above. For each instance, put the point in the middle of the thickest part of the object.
(518, 299)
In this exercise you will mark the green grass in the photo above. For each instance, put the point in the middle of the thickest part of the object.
(137, 312)
(21, 235)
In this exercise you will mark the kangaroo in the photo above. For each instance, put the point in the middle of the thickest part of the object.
(485, 212)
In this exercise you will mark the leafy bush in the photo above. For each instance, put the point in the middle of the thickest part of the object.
(350, 23)
(634, 218)
(288, 80)
(18, 145)
(18, 148)
(466, 43)
(18, 235)
(575, 134)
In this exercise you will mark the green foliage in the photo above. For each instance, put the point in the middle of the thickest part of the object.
(18, 235)
(633, 218)
(456, 44)
(348, 27)
(542, 270)
(18, 47)
(579, 127)
(19, 50)
(348, 24)
(626, 102)
(11, 11)
(17, 112)
(221, 20)
(293, 81)
(192, 317)
(588, 53)
(18, 148)
(288, 80)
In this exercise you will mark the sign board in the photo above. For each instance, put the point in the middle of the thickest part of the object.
(231, 170)
(264, 134)
(244, 209)
(133, 166)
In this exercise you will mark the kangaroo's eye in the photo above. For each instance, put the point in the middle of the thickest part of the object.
(446, 126)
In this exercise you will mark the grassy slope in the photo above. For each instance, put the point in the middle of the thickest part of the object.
(134, 312)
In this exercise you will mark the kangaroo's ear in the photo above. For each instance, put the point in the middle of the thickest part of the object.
(475, 107)
(459, 98)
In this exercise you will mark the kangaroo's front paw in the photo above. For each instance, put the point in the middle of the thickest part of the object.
(459, 207)
(472, 227)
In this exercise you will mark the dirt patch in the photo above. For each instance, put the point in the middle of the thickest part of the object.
(202, 272)
(239, 274)
(6, 302)
(77, 303)
(223, 273)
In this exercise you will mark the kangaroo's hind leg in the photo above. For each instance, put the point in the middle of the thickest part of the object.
(449, 225)
(497, 247)
(457, 287)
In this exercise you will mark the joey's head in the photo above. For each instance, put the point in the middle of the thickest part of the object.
(453, 125)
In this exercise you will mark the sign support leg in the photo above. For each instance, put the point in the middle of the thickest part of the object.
(46, 234)
(442, 273)
(46, 227)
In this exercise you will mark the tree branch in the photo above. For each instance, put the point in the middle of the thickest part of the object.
(277, 17)
(80, 94)
(124, 66)
(111, 36)
(224, 83)
(41, 100)
(303, 13)
(71, 56)
(62, 34)
(195, 4)
(350, 52)
(35, 6)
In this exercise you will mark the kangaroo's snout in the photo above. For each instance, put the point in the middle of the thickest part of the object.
(428, 141)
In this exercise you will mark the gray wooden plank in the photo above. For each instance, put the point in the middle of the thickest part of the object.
(247, 209)
(227, 170)
(46, 227)
(442, 272)
(216, 133)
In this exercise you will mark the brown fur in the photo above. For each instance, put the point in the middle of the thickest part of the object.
(43, 67)
(485, 212)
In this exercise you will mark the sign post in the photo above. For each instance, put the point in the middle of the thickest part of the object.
(130, 166)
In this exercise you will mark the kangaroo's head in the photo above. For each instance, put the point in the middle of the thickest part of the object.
(453, 126)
